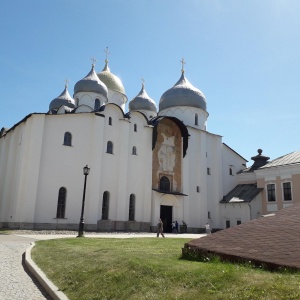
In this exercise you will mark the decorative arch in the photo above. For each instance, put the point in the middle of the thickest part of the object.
(165, 184)
(184, 132)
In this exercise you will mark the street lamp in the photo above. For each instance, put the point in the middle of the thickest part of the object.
(86, 171)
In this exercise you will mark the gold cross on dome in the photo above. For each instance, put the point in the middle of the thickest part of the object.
(67, 82)
(93, 59)
(106, 54)
(183, 63)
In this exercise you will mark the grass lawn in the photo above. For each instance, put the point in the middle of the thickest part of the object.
(150, 268)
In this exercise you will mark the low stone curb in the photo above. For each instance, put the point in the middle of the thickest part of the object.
(50, 288)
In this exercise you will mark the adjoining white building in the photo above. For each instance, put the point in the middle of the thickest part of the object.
(145, 164)
(264, 188)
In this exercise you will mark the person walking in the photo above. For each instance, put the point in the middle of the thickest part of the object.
(207, 228)
(160, 228)
(173, 227)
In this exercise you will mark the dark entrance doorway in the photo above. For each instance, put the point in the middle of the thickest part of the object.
(166, 216)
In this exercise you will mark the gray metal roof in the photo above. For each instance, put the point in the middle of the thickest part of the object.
(242, 193)
(142, 102)
(91, 83)
(183, 93)
(63, 99)
(288, 159)
(112, 82)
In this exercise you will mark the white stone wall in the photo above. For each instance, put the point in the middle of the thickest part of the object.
(187, 115)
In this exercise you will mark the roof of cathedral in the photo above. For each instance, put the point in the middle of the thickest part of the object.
(260, 241)
(63, 99)
(112, 82)
(242, 193)
(142, 102)
(183, 93)
(91, 83)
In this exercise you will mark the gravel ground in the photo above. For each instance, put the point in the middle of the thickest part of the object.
(72, 232)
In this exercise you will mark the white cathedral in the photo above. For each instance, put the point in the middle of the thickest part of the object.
(145, 164)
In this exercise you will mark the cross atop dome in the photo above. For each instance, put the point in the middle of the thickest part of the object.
(67, 82)
(106, 54)
(182, 63)
(143, 81)
(94, 60)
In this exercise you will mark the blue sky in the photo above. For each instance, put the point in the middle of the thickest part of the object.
(243, 55)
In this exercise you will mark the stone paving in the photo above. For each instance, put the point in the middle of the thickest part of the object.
(15, 282)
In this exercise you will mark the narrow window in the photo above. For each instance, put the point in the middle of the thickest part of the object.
(131, 207)
(97, 104)
(238, 222)
(271, 192)
(68, 139)
(208, 171)
(61, 203)
(208, 214)
(230, 171)
(196, 119)
(110, 121)
(109, 148)
(105, 206)
(287, 191)
(198, 189)
(164, 184)
(135, 127)
(227, 223)
(133, 150)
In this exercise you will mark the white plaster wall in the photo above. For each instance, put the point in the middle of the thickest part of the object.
(62, 166)
(117, 98)
(232, 160)
(214, 180)
(139, 172)
(84, 98)
(20, 170)
(187, 115)
(194, 170)
(234, 212)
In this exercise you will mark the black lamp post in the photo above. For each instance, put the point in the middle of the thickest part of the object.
(86, 171)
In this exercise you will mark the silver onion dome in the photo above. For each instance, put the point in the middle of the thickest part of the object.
(63, 99)
(183, 93)
(142, 102)
(112, 82)
(91, 83)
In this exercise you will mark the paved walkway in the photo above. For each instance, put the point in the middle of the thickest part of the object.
(17, 284)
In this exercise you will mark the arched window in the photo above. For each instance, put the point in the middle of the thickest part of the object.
(230, 171)
(196, 119)
(109, 148)
(135, 127)
(133, 150)
(131, 207)
(164, 184)
(61, 203)
(110, 121)
(68, 139)
(97, 104)
(105, 206)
